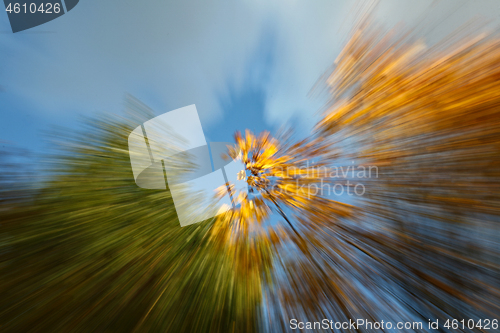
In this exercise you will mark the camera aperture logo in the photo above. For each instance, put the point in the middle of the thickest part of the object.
(171, 150)
(25, 15)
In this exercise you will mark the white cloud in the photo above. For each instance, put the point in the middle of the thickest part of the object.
(181, 54)
(176, 54)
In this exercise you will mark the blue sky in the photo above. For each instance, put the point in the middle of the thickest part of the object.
(221, 57)
(245, 64)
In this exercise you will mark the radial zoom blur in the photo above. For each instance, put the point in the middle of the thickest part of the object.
(422, 241)
(388, 212)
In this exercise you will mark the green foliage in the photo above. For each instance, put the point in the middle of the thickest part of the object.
(93, 252)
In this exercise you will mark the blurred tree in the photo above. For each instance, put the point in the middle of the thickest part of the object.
(429, 119)
(93, 252)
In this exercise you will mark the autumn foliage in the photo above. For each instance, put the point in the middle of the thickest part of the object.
(89, 251)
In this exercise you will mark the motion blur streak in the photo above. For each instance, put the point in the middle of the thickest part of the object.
(423, 243)
(429, 118)
(89, 251)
